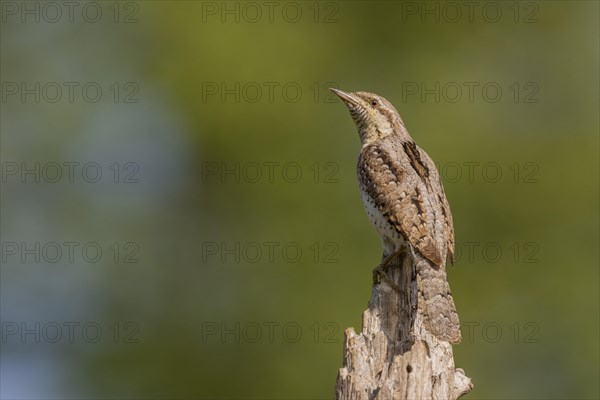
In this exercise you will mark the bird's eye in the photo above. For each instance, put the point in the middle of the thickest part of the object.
(373, 103)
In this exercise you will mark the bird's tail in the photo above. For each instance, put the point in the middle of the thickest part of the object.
(436, 299)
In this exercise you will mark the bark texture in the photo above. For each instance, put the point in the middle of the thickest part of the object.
(397, 356)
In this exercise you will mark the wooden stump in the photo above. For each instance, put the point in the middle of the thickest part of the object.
(395, 356)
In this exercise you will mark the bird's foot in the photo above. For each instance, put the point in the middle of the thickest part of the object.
(379, 275)
(380, 272)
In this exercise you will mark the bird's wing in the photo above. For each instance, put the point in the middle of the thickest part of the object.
(449, 225)
(393, 176)
(436, 186)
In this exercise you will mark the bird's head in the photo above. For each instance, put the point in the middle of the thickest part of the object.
(374, 116)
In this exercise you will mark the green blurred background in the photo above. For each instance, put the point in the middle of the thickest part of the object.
(234, 179)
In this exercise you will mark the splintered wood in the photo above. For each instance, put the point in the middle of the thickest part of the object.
(396, 356)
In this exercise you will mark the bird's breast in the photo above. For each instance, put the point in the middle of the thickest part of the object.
(382, 225)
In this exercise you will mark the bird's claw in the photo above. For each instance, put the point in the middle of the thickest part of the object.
(380, 275)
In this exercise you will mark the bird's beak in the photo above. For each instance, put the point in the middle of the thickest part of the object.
(347, 98)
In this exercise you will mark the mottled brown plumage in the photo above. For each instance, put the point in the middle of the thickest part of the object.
(405, 201)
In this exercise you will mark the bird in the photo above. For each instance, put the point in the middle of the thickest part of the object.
(404, 198)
